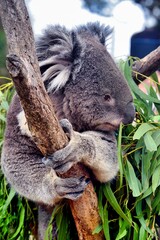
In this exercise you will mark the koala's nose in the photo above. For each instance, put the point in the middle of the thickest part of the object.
(129, 113)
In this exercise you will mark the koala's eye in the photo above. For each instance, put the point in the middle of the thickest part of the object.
(107, 97)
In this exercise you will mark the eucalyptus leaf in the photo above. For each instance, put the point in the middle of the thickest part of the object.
(156, 136)
(156, 179)
(113, 201)
(97, 229)
(9, 199)
(156, 200)
(144, 228)
(134, 87)
(21, 223)
(142, 234)
(135, 232)
(149, 142)
(2, 118)
(143, 128)
(106, 223)
(122, 233)
(133, 181)
(4, 105)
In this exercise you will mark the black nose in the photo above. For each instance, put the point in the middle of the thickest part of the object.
(129, 113)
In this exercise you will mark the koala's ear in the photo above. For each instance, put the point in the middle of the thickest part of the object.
(98, 30)
(54, 52)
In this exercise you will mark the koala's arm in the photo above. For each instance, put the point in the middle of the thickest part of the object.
(22, 165)
(96, 150)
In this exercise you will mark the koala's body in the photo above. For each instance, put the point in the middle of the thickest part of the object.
(86, 88)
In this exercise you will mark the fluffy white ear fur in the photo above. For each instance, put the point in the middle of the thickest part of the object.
(58, 73)
(60, 80)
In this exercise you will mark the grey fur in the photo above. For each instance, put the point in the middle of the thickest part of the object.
(87, 88)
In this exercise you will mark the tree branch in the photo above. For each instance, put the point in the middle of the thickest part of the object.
(48, 135)
(144, 67)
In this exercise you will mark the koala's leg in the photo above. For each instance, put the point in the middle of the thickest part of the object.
(96, 150)
(44, 216)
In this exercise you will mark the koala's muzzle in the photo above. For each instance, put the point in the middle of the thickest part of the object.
(129, 113)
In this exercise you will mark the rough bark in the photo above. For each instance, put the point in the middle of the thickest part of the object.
(23, 67)
(144, 67)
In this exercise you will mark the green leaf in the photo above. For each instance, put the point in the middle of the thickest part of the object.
(56, 214)
(97, 229)
(140, 215)
(156, 179)
(100, 203)
(155, 118)
(4, 105)
(147, 193)
(142, 234)
(122, 230)
(156, 136)
(9, 199)
(155, 201)
(3, 118)
(134, 87)
(122, 233)
(145, 127)
(149, 142)
(59, 217)
(113, 202)
(119, 147)
(135, 232)
(21, 222)
(149, 201)
(146, 158)
(103, 213)
(133, 181)
(106, 223)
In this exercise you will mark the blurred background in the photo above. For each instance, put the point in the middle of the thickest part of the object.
(135, 23)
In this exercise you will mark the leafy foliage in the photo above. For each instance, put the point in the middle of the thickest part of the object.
(16, 215)
(5, 97)
(129, 206)
(132, 201)
(3, 52)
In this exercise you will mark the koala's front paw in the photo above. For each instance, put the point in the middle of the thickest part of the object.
(71, 188)
(62, 160)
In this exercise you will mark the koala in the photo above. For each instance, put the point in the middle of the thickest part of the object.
(90, 97)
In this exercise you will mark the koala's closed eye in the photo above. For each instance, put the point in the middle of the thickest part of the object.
(107, 139)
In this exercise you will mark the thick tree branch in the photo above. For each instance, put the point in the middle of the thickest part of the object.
(23, 66)
(147, 65)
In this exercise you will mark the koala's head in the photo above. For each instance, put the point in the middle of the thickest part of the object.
(78, 71)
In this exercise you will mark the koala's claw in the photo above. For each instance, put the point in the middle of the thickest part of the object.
(62, 168)
(71, 188)
(67, 127)
(59, 163)
(88, 180)
(47, 161)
